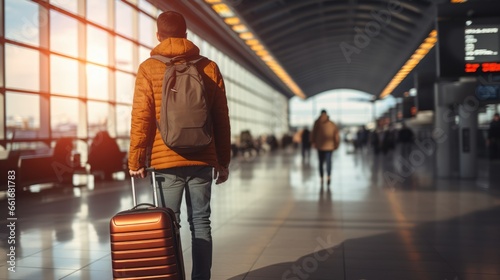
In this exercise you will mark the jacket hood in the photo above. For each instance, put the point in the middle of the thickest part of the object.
(323, 118)
(176, 46)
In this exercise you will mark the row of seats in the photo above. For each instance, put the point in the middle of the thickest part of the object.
(60, 164)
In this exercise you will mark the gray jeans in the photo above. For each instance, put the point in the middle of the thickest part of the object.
(197, 182)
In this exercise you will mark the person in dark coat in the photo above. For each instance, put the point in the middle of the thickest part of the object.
(494, 137)
(388, 140)
(306, 144)
(325, 138)
(405, 138)
(105, 156)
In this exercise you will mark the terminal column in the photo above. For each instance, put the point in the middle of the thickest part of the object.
(442, 126)
(468, 113)
(456, 99)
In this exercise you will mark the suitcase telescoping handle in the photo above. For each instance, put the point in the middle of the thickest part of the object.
(155, 191)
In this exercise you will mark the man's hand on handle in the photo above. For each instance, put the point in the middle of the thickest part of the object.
(141, 173)
(222, 174)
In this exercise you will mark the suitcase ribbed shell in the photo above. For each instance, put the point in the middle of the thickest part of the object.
(145, 244)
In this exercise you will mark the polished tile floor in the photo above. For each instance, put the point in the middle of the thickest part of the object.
(379, 219)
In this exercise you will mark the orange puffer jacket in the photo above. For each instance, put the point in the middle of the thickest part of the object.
(146, 143)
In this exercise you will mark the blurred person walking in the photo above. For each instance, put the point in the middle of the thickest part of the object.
(325, 138)
(405, 138)
(493, 141)
(306, 145)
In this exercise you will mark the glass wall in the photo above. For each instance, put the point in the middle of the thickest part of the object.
(344, 106)
(68, 70)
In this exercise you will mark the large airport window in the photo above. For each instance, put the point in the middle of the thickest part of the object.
(97, 82)
(68, 5)
(30, 145)
(222, 63)
(123, 144)
(232, 108)
(123, 117)
(229, 69)
(64, 116)
(241, 94)
(216, 56)
(123, 19)
(147, 30)
(205, 48)
(229, 88)
(97, 45)
(97, 11)
(124, 87)
(2, 119)
(63, 75)
(26, 21)
(147, 7)
(124, 51)
(98, 114)
(22, 21)
(238, 110)
(144, 53)
(194, 38)
(63, 34)
(23, 115)
(22, 68)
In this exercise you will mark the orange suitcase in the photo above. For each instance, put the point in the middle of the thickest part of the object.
(145, 242)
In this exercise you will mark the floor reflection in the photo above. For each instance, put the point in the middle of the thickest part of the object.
(378, 219)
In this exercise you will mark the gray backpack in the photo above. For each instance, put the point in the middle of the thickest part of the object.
(185, 123)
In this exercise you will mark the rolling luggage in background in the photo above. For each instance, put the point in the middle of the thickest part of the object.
(145, 242)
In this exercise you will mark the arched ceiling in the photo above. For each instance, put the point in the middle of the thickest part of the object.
(331, 44)
(322, 44)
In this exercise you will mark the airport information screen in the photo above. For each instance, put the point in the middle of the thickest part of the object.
(468, 47)
(482, 47)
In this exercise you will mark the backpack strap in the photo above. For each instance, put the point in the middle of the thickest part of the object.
(164, 59)
(170, 60)
(196, 60)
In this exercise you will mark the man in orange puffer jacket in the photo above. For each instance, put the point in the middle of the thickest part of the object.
(174, 172)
